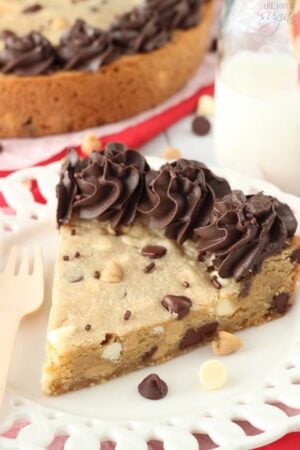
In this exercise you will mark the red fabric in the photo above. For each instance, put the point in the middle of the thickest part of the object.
(289, 442)
(135, 137)
(297, 24)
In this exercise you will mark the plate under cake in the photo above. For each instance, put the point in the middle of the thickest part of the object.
(152, 264)
(67, 65)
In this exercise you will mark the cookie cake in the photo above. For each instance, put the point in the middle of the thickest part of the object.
(153, 263)
(68, 65)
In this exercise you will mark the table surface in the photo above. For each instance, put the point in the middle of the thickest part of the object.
(181, 136)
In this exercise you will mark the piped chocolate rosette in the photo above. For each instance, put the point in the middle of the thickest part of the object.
(244, 231)
(180, 197)
(27, 55)
(185, 199)
(105, 186)
(83, 47)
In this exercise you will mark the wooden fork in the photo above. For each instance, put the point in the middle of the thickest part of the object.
(20, 294)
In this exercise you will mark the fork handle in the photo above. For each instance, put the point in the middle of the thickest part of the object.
(9, 324)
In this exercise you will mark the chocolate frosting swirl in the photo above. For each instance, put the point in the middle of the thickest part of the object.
(244, 231)
(106, 185)
(140, 30)
(180, 197)
(177, 14)
(149, 27)
(184, 198)
(27, 55)
(84, 47)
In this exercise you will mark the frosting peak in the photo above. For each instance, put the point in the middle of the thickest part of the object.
(84, 47)
(244, 231)
(180, 197)
(27, 55)
(106, 185)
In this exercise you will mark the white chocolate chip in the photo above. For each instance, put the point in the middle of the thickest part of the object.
(171, 153)
(213, 374)
(225, 308)
(158, 330)
(90, 143)
(58, 336)
(223, 281)
(226, 343)
(59, 24)
(112, 273)
(112, 352)
(131, 241)
(206, 106)
(111, 230)
(125, 229)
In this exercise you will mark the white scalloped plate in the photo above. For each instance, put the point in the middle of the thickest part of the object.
(264, 374)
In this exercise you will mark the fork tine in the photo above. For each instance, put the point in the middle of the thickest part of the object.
(11, 262)
(24, 265)
(38, 262)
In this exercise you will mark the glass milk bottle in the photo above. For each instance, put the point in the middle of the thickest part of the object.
(257, 125)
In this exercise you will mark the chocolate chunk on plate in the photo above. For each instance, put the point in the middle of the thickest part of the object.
(153, 387)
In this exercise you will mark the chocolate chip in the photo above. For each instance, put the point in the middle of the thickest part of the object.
(32, 8)
(97, 274)
(147, 355)
(201, 126)
(66, 258)
(77, 255)
(149, 268)
(75, 278)
(196, 336)
(214, 45)
(153, 387)
(73, 232)
(127, 315)
(295, 256)
(259, 205)
(186, 284)
(4, 34)
(215, 282)
(209, 269)
(281, 302)
(154, 251)
(88, 327)
(201, 257)
(177, 304)
(245, 288)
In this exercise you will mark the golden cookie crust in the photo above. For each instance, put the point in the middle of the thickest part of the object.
(75, 100)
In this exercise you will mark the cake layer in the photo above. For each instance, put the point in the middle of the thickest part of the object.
(73, 100)
(123, 300)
